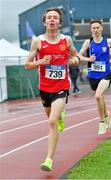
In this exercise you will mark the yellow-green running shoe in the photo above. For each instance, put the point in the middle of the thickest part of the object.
(61, 124)
(46, 165)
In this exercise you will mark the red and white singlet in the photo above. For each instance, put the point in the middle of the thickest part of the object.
(54, 76)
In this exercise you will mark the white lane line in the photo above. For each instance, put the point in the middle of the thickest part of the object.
(14, 113)
(18, 110)
(21, 127)
(80, 104)
(20, 105)
(23, 117)
(21, 147)
(40, 139)
(30, 104)
(40, 122)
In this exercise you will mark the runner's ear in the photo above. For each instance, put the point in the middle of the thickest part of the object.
(44, 24)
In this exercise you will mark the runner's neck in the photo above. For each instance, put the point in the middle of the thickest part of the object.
(98, 39)
(52, 37)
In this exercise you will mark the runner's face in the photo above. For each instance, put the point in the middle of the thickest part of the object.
(96, 29)
(52, 21)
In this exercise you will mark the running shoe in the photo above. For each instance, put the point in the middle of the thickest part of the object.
(74, 94)
(46, 165)
(61, 124)
(108, 120)
(102, 128)
(78, 92)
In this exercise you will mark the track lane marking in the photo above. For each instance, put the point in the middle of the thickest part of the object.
(23, 117)
(68, 105)
(40, 122)
(40, 139)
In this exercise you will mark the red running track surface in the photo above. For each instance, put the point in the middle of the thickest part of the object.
(24, 130)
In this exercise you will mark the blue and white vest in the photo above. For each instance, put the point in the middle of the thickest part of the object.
(101, 66)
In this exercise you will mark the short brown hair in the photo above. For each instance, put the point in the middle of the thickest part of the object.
(59, 11)
(96, 21)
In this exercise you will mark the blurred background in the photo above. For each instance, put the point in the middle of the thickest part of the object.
(20, 20)
(9, 17)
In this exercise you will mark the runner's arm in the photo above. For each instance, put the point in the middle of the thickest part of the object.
(75, 56)
(32, 61)
(109, 45)
(84, 48)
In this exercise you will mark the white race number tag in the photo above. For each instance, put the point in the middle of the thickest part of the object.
(55, 71)
(98, 66)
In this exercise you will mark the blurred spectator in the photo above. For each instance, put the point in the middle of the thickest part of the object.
(74, 74)
(81, 74)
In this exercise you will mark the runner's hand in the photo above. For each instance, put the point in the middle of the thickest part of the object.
(92, 58)
(46, 60)
(75, 61)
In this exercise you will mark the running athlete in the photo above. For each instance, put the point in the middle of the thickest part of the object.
(49, 53)
(99, 72)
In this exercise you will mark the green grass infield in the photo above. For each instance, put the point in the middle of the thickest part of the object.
(96, 165)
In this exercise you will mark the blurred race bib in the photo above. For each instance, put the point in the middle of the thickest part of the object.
(98, 66)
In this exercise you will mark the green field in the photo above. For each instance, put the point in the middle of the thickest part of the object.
(96, 165)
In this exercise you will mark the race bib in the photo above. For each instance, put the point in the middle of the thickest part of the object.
(98, 66)
(55, 72)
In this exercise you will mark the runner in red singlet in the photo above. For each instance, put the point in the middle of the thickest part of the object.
(53, 50)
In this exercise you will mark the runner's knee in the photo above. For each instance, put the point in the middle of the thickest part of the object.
(97, 96)
(52, 122)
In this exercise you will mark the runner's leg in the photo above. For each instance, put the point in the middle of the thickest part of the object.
(102, 86)
(56, 109)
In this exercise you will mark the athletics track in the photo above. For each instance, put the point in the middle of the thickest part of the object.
(24, 130)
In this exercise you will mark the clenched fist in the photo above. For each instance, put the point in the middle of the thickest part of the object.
(75, 61)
